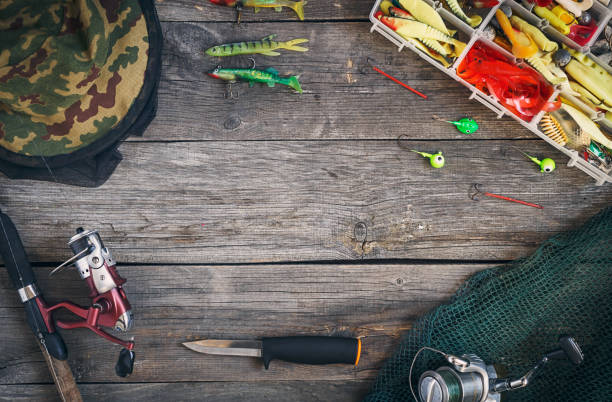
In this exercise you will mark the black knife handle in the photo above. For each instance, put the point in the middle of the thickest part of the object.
(13, 254)
(311, 350)
(21, 274)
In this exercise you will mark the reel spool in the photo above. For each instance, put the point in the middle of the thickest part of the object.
(469, 379)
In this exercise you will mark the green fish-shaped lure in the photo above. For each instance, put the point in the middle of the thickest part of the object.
(435, 160)
(251, 75)
(266, 46)
(547, 165)
(465, 125)
(297, 6)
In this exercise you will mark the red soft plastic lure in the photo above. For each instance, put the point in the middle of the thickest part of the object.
(541, 3)
(484, 3)
(519, 89)
(582, 34)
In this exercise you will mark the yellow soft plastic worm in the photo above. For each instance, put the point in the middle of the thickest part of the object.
(555, 21)
(545, 44)
(593, 77)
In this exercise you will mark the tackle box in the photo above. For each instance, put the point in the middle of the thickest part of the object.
(465, 33)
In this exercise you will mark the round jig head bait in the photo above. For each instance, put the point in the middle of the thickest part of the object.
(435, 160)
(465, 125)
(547, 165)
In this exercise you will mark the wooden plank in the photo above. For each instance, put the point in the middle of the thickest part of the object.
(234, 202)
(343, 97)
(204, 10)
(173, 304)
(229, 391)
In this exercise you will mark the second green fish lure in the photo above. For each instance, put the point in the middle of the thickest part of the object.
(266, 46)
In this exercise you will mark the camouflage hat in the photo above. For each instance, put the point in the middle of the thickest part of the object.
(75, 78)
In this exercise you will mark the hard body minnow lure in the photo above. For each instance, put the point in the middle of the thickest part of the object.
(297, 6)
(266, 46)
(269, 76)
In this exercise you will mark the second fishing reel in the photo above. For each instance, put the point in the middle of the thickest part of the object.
(470, 379)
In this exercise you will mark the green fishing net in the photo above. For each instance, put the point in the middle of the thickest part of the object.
(513, 314)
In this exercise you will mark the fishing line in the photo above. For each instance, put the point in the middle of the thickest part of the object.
(412, 366)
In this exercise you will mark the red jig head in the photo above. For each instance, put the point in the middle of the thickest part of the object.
(110, 307)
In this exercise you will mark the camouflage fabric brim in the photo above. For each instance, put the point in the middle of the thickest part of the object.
(71, 74)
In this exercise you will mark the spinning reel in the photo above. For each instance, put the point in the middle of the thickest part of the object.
(109, 308)
(470, 379)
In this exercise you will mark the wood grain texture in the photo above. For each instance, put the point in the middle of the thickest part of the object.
(343, 97)
(236, 202)
(204, 10)
(230, 391)
(174, 304)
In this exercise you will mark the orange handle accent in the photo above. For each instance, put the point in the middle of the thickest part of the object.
(358, 351)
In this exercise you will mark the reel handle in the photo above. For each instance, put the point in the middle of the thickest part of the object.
(21, 274)
(125, 363)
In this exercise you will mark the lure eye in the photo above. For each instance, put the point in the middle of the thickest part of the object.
(438, 158)
(468, 131)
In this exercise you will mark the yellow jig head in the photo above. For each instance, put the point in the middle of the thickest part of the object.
(547, 165)
(435, 160)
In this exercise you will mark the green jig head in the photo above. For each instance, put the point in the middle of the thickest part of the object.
(436, 160)
(547, 165)
(465, 125)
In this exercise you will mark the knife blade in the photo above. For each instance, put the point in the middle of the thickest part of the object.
(294, 349)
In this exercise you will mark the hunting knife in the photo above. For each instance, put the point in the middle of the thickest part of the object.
(293, 349)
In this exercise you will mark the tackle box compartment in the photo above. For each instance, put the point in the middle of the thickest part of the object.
(476, 35)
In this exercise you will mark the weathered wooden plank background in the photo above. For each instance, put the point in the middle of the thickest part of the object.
(280, 214)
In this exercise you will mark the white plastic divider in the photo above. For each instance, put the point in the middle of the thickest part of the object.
(575, 160)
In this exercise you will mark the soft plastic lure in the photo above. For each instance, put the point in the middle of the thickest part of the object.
(297, 6)
(424, 13)
(266, 46)
(522, 44)
(473, 21)
(465, 125)
(435, 160)
(553, 130)
(484, 3)
(520, 89)
(418, 30)
(269, 76)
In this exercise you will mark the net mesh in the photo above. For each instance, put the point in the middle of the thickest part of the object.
(512, 315)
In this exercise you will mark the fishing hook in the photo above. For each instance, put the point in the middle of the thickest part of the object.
(253, 60)
(399, 141)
